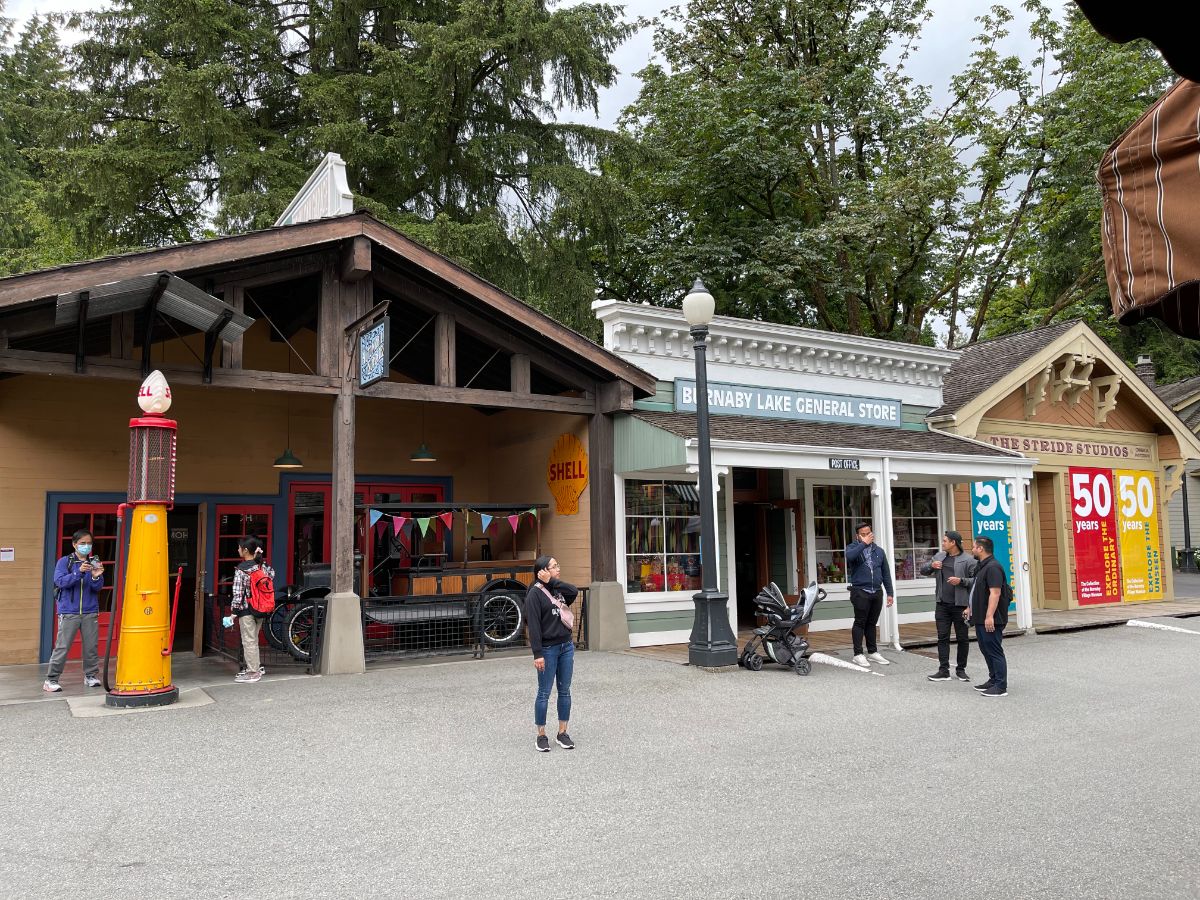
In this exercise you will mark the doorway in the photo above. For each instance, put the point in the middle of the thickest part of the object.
(183, 534)
(750, 557)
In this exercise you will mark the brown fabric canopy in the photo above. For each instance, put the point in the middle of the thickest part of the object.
(1150, 178)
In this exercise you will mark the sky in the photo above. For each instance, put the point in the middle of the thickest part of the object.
(944, 50)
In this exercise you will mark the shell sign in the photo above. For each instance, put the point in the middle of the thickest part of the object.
(567, 473)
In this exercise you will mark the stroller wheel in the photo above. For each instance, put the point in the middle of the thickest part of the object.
(803, 667)
(754, 662)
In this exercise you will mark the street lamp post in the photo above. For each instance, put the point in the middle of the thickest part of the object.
(712, 643)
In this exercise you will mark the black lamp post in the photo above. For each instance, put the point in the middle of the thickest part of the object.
(712, 644)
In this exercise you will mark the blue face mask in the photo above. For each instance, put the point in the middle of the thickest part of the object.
(83, 549)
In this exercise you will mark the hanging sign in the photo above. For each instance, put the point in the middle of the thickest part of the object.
(373, 353)
(1141, 554)
(567, 474)
(991, 517)
(1094, 529)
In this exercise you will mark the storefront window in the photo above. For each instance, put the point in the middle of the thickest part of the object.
(233, 524)
(836, 510)
(914, 529)
(662, 536)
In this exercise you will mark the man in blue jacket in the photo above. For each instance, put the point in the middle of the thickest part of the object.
(78, 578)
(870, 578)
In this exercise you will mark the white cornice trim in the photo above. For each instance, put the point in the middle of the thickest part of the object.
(638, 331)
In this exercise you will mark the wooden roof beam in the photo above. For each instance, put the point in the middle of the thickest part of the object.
(397, 390)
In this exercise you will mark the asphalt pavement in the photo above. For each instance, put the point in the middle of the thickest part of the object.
(422, 781)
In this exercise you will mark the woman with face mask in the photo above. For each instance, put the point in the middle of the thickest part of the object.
(78, 578)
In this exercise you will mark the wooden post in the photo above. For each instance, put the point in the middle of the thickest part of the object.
(603, 504)
(519, 374)
(342, 646)
(231, 351)
(444, 358)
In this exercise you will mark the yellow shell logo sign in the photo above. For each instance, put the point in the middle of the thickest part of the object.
(567, 474)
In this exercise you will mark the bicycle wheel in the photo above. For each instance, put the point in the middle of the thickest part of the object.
(301, 631)
(275, 626)
(503, 619)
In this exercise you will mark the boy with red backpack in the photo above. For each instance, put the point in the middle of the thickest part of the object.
(253, 601)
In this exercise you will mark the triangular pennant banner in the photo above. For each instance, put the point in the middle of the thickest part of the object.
(447, 519)
(381, 527)
(376, 515)
(423, 523)
(398, 522)
(514, 521)
(486, 520)
(533, 512)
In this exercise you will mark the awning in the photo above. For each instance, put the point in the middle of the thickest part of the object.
(1150, 179)
(176, 298)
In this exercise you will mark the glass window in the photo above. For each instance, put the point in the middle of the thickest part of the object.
(836, 510)
(234, 523)
(662, 536)
(914, 529)
(102, 523)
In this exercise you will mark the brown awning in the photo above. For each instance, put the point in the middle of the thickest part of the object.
(1150, 179)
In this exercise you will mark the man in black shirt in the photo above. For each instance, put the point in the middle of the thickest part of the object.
(990, 615)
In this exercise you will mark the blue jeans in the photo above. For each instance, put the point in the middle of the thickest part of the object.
(992, 647)
(560, 665)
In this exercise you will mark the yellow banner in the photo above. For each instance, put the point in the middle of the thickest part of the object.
(1137, 516)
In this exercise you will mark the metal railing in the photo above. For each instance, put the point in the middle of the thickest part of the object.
(474, 624)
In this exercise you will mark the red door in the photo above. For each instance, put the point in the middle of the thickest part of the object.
(101, 520)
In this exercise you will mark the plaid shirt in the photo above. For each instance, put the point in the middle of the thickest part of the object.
(241, 584)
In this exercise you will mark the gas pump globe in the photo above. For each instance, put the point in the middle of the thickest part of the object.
(144, 655)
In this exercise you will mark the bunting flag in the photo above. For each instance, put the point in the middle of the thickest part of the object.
(514, 521)
(533, 511)
(486, 521)
(398, 522)
(376, 515)
(447, 519)
(381, 527)
(423, 523)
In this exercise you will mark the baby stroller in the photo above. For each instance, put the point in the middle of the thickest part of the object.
(775, 640)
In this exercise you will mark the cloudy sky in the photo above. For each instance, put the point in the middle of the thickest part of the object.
(944, 49)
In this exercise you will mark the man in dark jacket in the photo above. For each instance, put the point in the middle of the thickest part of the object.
(869, 574)
(952, 571)
(989, 612)
(78, 579)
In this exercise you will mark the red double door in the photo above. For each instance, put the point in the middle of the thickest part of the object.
(101, 521)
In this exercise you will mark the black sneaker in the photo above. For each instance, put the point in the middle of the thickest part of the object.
(564, 740)
(939, 675)
(996, 691)
(961, 674)
(543, 744)
(985, 686)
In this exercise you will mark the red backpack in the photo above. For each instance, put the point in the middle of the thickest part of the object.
(262, 591)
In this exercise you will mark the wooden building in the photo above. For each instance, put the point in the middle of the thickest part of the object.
(1109, 454)
(483, 379)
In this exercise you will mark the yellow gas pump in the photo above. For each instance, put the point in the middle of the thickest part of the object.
(144, 601)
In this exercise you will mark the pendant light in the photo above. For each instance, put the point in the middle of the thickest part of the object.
(423, 454)
(288, 460)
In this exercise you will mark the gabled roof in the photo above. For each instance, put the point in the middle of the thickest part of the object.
(821, 434)
(1178, 392)
(989, 371)
(981, 364)
(198, 259)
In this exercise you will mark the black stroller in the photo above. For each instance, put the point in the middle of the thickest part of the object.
(775, 640)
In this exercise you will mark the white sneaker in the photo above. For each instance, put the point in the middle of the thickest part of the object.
(91, 681)
(879, 658)
(861, 661)
(51, 687)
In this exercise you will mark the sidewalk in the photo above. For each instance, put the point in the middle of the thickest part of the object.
(916, 635)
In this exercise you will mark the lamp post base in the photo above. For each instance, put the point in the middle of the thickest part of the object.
(713, 644)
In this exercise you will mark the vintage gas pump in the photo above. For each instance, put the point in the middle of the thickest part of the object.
(144, 655)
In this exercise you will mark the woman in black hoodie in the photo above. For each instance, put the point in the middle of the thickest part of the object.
(550, 624)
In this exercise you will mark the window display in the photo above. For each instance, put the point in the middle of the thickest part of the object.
(662, 536)
(914, 529)
(836, 510)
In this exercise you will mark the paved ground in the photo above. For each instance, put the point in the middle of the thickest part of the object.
(422, 782)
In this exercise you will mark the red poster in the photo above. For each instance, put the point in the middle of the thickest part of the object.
(1094, 526)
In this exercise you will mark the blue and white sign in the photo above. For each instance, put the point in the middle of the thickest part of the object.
(782, 403)
(373, 353)
(991, 517)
